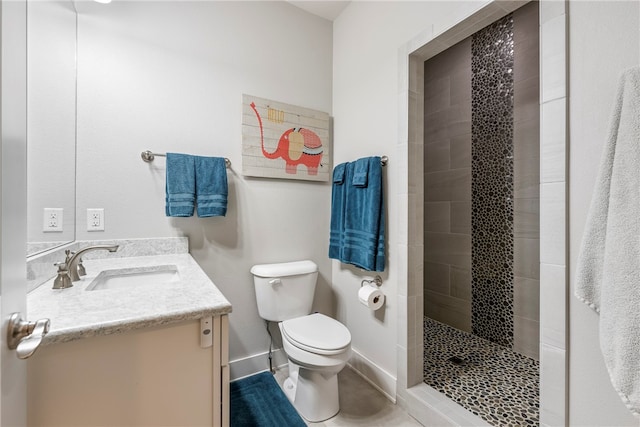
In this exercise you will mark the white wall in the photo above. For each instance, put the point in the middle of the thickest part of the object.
(51, 111)
(366, 40)
(169, 76)
(611, 30)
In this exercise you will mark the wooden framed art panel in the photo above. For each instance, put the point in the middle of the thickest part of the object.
(284, 141)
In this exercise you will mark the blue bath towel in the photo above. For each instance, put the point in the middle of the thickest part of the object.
(357, 216)
(211, 186)
(338, 195)
(180, 185)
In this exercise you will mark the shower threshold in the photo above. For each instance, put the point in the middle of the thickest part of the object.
(489, 380)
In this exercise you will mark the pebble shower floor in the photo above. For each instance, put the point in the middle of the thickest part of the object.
(490, 380)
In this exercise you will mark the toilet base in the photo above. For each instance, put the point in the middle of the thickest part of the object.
(312, 393)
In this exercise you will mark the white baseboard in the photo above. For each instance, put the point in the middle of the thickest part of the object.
(380, 379)
(250, 365)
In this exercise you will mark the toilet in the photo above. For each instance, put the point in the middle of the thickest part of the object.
(317, 346)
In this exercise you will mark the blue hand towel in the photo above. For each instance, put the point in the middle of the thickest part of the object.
(211, 186)
(338, 195)
(358, 229)
(180, 185)
(360, 172)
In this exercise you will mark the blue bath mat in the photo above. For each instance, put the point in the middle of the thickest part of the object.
(258, 401)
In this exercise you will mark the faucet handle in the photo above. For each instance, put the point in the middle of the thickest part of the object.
(81, 270)
(68, 254)
(63, 280)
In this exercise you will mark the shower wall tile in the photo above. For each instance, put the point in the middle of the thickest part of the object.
(416, 161)
(526, 93)
(526, 299)
(461, 217)
(433, 126)
(415, 68)
(451, 185)
(526, 182)
(402, 325)
(553, 69)
(528, 59)
(553, 223)
(438, 92)
(449, 60)
(525, 36)
(447, 179)
(417, 272)
(553, 374)
(436, 156)
(526, 337)
(526, 260)
(553, 314)
(459, 117)
(554, 133)
(416, 109)
(526, 219)
(416, 221)
(452, 311)
(492, 185)
(412, 326)
(526, 133)
(460, 283)
(450, 249)
(527, 178)
(436, 278)
(460, 151)
(460, 83)
(437, 217)
(550, 9)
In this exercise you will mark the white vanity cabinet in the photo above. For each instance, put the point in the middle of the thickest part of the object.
(155, 376)
(131, 355)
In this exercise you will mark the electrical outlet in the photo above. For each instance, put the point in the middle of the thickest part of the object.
(95, 219)
(52, 220)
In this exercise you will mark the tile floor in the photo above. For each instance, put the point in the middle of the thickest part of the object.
(493, 382)
(360, 404)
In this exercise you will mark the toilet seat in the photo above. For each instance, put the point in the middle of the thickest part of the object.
(317, 333)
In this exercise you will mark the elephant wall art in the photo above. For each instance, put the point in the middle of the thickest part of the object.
(301, 150)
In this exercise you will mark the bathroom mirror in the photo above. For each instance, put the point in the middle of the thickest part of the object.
(51, 124)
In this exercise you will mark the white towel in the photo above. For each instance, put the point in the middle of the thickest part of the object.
(608, 271)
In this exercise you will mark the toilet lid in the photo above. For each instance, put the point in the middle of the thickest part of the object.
(317, 333)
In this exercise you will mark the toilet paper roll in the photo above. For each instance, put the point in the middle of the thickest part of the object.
(371, 297)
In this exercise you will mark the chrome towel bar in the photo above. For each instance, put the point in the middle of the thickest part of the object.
(148, 156)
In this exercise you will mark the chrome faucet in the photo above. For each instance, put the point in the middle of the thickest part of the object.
(71, 268)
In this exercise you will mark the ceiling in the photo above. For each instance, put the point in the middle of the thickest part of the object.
(327, 9)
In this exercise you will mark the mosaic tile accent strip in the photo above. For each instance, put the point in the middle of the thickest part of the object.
(492, 91)
(493, 382)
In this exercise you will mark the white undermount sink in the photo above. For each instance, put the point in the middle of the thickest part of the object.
(135, 277)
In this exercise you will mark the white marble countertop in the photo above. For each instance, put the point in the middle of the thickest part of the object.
(76, 313)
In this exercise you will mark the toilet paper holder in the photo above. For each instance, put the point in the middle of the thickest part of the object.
(376, 281)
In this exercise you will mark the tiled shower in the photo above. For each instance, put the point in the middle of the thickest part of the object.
(481, 212)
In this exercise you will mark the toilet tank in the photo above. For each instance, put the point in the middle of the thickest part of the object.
(285, 290)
